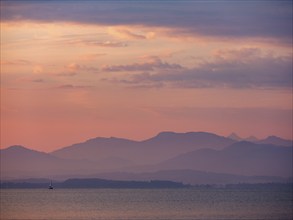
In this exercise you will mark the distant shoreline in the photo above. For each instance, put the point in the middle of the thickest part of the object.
(95, 183)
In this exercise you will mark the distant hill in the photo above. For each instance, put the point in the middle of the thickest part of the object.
(21, 162)
(276, 141)
(190, 139)
(269, 140)
(99, 147)
(242, 158)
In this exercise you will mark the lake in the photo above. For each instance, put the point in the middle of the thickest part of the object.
(146, 204)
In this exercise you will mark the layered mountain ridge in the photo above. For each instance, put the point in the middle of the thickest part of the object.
(221, 159)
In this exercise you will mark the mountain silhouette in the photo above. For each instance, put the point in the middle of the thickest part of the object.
(276, 141)
(198, 151)
(235, 137)
(242, 158)
(161, 147)
(115, 150)
(20, 162)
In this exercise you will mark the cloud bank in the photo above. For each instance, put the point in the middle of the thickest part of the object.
(151, 65)
(263, 19)
(245, 68)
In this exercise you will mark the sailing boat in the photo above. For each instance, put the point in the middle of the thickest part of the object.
(51, 185)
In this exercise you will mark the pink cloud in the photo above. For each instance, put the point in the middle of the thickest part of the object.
(245, 68)
(70, 86)
(15, 62)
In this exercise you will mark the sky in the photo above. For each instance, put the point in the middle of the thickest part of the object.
(74, 70)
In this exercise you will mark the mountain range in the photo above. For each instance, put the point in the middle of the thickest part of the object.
(161, 147)
(191, 158)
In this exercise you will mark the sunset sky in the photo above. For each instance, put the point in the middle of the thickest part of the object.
(74, 70)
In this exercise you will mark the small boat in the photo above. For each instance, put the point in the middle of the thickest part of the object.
(51, 185)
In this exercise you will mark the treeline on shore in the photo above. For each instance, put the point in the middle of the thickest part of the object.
(103, 183)
(94, 183)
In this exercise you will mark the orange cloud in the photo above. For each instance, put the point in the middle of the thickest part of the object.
(73, 67)
(123, 32)
(92, 56)
(38, 69)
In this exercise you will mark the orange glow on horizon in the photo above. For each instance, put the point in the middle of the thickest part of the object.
(63, 82)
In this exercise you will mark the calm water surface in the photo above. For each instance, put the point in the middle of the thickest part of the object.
(149, 204)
